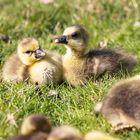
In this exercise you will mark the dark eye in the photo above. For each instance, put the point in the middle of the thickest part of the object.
(28, 52)
(75, 34)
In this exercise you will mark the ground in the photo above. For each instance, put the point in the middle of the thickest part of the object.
(117, 22)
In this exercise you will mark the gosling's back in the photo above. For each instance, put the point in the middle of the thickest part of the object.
(14, 69)
(100, 61)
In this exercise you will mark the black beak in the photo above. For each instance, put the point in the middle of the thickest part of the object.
(39, 53)
(61, 39)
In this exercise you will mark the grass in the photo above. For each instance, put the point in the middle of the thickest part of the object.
(105, 20)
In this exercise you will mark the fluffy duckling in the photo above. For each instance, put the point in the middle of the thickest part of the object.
(65, 133)
(121, 107)
(44, 67)
(79, 63)
(34, 127)
(96, 135)
(14, 70)
(16, 67)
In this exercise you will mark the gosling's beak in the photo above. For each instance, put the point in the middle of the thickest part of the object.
(61, 39)
(39, 53)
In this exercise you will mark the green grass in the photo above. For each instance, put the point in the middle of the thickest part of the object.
(110, 20)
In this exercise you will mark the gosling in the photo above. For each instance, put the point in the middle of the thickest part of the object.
(121, 107)
(33, 127)
(80, 63)
(42, 67)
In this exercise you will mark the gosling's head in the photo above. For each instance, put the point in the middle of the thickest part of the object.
(75, 37)
(35, 123)
(65, 133)
(29, 51)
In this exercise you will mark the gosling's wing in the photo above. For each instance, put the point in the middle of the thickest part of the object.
(109, 60)
(100, 61)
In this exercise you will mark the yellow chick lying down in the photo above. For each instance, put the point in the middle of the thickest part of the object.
(31, 61)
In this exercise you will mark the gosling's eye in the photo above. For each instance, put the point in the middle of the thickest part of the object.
(75, 34)
(28, 52)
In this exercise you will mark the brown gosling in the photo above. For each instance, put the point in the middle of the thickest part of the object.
(121, 107)
(80, 63)
(97, 135)
(65, 133)
(34, 127)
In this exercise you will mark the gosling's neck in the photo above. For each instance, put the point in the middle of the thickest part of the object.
(72, 53)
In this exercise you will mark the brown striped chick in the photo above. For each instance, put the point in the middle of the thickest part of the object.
(44, 67)
(65, 133)
(97, 135)
(80, 64)
(14, 70)
(121, 107)
(34, 127)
